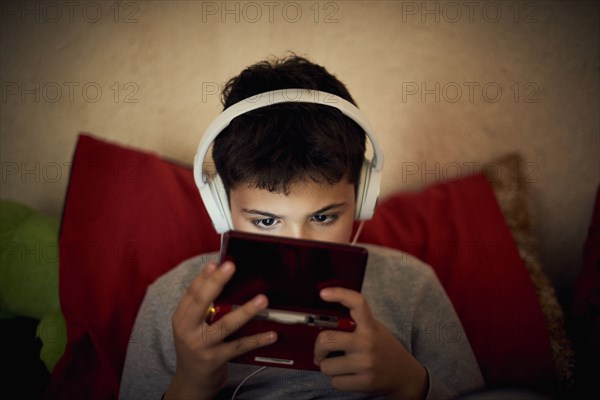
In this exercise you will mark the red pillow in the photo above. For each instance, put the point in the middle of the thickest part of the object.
(129, 216)
(457, 228)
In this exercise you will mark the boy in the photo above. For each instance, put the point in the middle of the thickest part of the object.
(292, 169)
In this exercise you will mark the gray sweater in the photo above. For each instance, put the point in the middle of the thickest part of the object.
(402, 292)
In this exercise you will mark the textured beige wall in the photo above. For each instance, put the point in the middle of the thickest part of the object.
(157, 65)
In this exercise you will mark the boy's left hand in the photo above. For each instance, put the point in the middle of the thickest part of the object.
(374, 360)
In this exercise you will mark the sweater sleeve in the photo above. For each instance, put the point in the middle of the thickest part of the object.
(148, 364)
(440, 343)
(151, 359)
(406, 296)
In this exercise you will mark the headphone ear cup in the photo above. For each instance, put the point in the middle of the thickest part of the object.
(217, 204)
(368, 191)
(361, 187)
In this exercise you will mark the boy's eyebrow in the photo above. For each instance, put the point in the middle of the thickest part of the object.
(271, 215)
(329, 207)
(263, 213)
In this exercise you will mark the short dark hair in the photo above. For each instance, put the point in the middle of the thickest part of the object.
(278, 145)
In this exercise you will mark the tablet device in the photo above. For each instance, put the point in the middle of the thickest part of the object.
(291, 273)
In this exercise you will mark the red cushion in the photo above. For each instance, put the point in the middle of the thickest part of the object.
(457, 228)
(129, 216)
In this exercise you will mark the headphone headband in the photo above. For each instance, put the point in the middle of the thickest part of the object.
(267, 99)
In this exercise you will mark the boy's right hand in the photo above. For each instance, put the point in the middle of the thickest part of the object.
(202, 354)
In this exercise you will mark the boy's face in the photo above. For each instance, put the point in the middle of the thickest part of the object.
(310, 211)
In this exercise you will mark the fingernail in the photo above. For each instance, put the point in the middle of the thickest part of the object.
(210, 267)
(227, 266)
(325, 292)
(259, 301)
(272, 337)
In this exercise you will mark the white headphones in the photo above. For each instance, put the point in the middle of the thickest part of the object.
(211, 188)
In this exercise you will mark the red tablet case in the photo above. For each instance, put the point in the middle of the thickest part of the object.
(291, 272)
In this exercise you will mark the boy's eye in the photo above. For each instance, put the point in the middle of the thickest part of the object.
(324, 218)
(264, 222)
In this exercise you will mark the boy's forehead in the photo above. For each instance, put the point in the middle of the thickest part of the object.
(303, 194)
(301, 187)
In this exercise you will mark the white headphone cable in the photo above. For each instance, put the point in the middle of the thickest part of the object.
(358, 231)
(245, 380)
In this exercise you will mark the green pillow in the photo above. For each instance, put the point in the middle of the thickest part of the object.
(29, 274)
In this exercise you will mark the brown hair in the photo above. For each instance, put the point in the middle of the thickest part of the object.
(278, 145)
